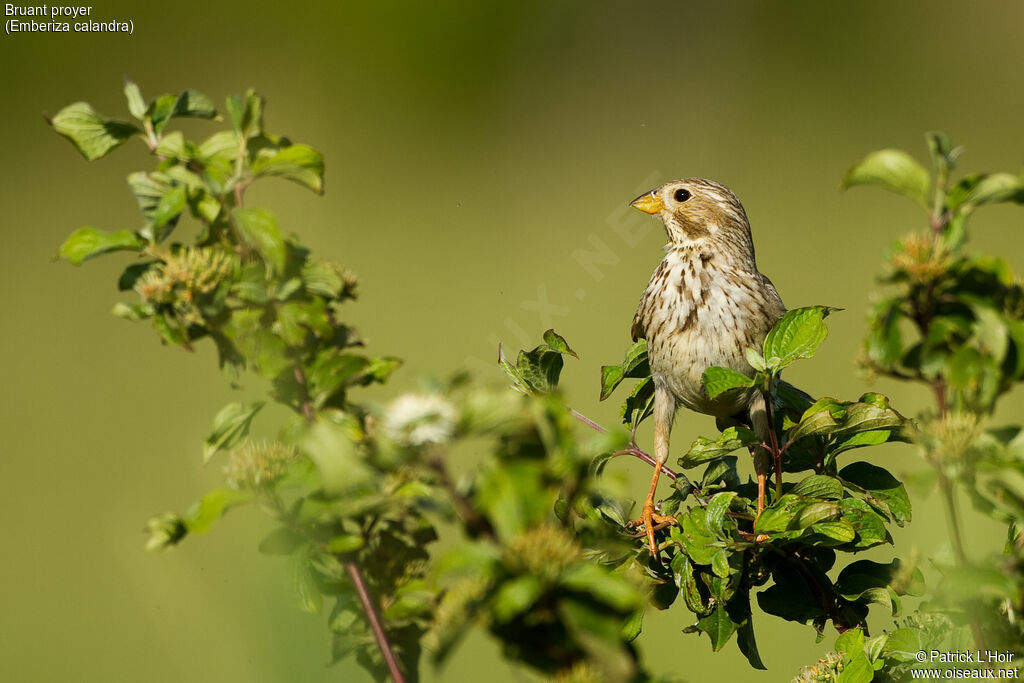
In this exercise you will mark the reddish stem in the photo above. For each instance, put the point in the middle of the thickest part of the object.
(371, 616)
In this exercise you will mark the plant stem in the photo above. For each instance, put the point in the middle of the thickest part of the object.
(952, 517)
(776, 452)
(371, 616)
(472, 518)
(586, 420)
(358, 582)
(633, 450)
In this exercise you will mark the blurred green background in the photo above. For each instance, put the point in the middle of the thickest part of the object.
(473, 149)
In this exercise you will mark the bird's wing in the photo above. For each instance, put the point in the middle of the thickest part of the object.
(637, 330)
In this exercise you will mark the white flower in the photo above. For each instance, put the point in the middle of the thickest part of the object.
(419, 420)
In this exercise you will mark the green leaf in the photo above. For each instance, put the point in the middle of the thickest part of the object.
(295, 318)
(201, 516)
(304, 580)
(164, 531)
(149, 189)
(169, 329)
(188, 104)
(639, 404)
(468, 559)
(259, 346)
(851, 642)
(755, 359)
(882, 490)
(722, 472)
(159, 111)
(747, 643)
(323, 278)
(870, 527)
(682, 572)
(634, 365)
(838, 530)
(332, 370)
(859, 577)
(791, 597)
(593, 626)
(557, 342)
(518, 383)
(281, 541)
(892, 170)
(220, 147)
(840, 420)
(611, 377)
(136, 103)
(336, 458)
(194, 104)
(903, 644)
(633, 627)
(131, 275)
(696, 537)
(794, 513)
(230, 426)
(884, 344)
(259, 230)
(346, 543)
(703, 449)
(246, 114)
(796, 335)
(720, 564)
(716, 510)
(86, 243)
(859, 440)
(944, 155)
(719, 627)
(537, 371)
(610, 588)
(169, 208)
(974, 191)
(819, 486)
(172, 146)
(133, 312)
(516, 596)
(299, 163)
(93, 134)
(718, 380)
(857, 670)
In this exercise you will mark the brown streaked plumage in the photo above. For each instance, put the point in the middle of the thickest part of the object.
(705, 305)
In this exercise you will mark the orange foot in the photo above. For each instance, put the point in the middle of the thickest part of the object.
(651, 521)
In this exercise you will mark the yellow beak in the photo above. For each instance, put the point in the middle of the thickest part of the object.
(648, 202)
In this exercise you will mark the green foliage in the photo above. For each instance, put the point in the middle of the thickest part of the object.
(893, 170)
(541, 554)
(358, 492)
(721, 552)
(537, 371)
(953, 322)
(85, 243)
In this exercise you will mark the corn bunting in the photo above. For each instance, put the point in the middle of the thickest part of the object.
(705, 305)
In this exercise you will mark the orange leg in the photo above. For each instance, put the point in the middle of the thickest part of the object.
(649, 519)
(762, 480)
(664, 411)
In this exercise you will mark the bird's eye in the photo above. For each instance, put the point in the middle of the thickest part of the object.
(681, 195)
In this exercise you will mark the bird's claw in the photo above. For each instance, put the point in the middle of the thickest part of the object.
(651, 521)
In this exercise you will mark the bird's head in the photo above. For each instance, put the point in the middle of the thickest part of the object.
(697, 212)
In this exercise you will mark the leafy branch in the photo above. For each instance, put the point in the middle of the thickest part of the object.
(954, 322)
